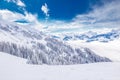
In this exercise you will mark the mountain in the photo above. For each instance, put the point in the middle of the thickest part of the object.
(91, 36)
(38, 48)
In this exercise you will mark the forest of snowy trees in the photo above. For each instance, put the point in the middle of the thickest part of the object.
(38, 48)
(53, 53)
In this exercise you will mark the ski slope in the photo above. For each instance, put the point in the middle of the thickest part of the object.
(110, 50)
(15, 68)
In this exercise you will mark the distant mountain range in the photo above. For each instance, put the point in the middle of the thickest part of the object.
(91, 36)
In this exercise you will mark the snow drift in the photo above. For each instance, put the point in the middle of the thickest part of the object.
(15, 68)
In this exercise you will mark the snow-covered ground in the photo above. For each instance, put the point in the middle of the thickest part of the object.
(14, 68)
(38, 47)
(110, 50)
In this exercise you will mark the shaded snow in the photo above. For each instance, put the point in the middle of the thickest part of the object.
(14, 68)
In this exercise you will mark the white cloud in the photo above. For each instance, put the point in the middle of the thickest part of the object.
(20, 3)
(105, 16)
(102, 18)
(11, 17)
(45, 9)
(62, 26)
(17, 2)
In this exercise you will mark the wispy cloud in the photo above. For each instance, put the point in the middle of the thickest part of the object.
(101, 17)
(11, 17)
(45, 9)
(107, 16)
(17, 2)
(62, 26)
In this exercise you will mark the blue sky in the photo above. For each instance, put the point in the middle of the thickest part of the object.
(59, 9)
(63, 15)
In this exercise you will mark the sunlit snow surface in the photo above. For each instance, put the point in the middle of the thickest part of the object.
(110, 50)
(14, 68)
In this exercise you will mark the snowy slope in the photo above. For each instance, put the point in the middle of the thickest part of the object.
(14, 68)
(110, 49)
(38, 48)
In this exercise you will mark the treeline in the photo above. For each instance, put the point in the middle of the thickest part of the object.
(51, 53)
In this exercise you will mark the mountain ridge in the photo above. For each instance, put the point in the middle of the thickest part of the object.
(90, 36)
(39, 48)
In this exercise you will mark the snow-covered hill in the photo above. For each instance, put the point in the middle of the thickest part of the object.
(91, 36)
(38, 48)
(110, 49)
(14, 68)
(102, 42)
